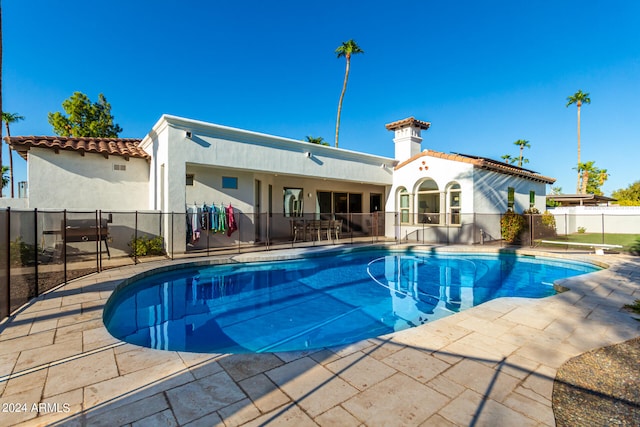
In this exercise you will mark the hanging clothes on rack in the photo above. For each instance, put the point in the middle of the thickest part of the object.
(195, 224)
(204, 217)
(212, 208)
(215, 218)
(222, 222)
(189, 228)
(231, 220)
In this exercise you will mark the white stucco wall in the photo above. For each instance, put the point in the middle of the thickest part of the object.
(247, 153)
(484, 194)
(15, 203)
(207, 187)
(491, 192)
(443, 172)
(597, 219)
(70, 181)
(156, 145)
(213, 151)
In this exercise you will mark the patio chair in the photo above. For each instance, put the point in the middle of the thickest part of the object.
(325, 226)
(298, 227)
(336, 227)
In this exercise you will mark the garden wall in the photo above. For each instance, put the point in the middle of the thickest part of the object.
(597, 219)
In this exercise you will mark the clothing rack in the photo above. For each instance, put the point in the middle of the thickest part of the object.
(209, 218)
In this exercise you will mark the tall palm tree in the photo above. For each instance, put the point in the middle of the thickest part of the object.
(347, 49)
(578, 98)
(522, 143)
(9, 118)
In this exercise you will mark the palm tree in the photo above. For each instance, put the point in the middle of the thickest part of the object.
(347, 49)
(522, 143)
(592, 178)
(9, 118)
(578, 98)
(316, 140)
(508, 159)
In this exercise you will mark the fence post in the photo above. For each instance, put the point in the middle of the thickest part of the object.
(208, 232)
(474, 227)
(8, 261)
(172, 236)
(106, 237)
(64, 243)
(350, 216)
(500, 228)
(268, 232)
(135, 240)
(98, 241)
(35, 246)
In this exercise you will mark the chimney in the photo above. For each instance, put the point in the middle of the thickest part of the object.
(407, 137)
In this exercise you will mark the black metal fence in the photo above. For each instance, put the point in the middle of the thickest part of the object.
(40, 250)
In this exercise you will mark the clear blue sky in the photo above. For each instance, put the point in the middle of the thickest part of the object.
(485, 74)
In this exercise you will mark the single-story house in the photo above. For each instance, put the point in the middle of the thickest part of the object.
(183, 163)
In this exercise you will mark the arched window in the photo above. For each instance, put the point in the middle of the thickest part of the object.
(428, 199)
(455, 203)
(404, 205)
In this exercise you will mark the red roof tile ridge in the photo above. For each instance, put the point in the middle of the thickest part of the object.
(127, 147)
(411, 121)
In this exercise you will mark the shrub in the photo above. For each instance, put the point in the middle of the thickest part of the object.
(582, 230)
(143, 246)
(511, 225)
(635, 248)
(22, 254)
(549, 221)
(635, 307)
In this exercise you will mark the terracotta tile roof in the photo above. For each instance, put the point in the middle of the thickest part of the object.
(409, 121)
(482, 163)
(124, 147)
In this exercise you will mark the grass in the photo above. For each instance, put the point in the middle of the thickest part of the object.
(627, 241)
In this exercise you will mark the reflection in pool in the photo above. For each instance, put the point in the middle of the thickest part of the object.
(318, 302)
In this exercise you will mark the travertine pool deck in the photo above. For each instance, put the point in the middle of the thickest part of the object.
(491, 365)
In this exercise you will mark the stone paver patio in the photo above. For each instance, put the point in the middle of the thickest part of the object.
(491, 365)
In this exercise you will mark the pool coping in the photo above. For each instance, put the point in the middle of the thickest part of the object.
(496, 359)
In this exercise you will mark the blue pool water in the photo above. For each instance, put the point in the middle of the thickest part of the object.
(320, 301)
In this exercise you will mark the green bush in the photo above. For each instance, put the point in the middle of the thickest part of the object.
(511, 225)
(582, 230)
(143, 246)
(635, 307)
(635, 248)
(22, 254)
(549, 221)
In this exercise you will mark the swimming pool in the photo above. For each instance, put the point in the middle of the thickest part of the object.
(320, 301)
